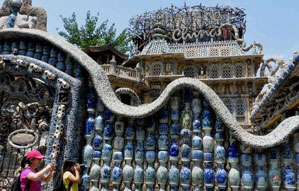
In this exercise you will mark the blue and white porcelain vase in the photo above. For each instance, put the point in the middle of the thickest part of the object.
(174, 151)
(261, 179)
(150, 142)
(85, 180)
(150, 173)
(164, 115)
(175, 130)
(129, 150)
(234, 177)
(87, 152)
(196, 124)
(221, 178)
(107, 152)
(185, 177)
(138, 176)
(196, 104)
(207, 118)
(208, 141)
(119, 129)
(90, 125)
(209, 177)
(174, 176)
(197, 176)
(91, 98)
(232, 152)
(220, 154)
(95, 171)
(186, 116)
(128, 175)
(95, 185)
(99, 123)
(139, 152)
(108, 132)
(185, 153)
(197, 142)
(162, 173)
(105, 173)
(274, 177)
(163, 142)
(98, 142)
(247, 178)
(117, 171)
(289, 178)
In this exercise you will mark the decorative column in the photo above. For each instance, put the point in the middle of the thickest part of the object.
(118, 144)
(174, 131)
(296, 150)
(95, 171)
(162, 173)
(186, 134)
(139, 156)
(197, 154)
(247, 175)
(288, 172)
(107, 150)
(117, 171)
(150, 173)
(88, 150)
(163, 142)
(208, 146)
(274, 172)
(128, 172)
(233, 159)
(220, 156)
(261, 176)
(106, 170)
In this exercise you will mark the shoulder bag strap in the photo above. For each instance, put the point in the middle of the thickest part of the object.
(28, 185)
(70, 185)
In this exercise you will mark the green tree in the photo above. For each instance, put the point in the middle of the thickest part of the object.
(92, 34)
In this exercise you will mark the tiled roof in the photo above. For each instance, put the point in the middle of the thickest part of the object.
(195, 50)
(278, 84)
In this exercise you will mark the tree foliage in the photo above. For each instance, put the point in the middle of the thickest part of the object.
(92, 34)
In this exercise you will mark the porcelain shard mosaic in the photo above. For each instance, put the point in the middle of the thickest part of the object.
(182, 147)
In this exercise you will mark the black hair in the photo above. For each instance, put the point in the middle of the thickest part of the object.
(69, 166)
(25, 161)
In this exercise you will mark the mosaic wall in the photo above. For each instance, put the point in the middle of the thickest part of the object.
(184, 146)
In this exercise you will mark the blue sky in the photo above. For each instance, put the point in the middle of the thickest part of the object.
(274, 23)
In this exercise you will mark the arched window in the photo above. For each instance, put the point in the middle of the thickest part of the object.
(226, 72)
(156, 70)
(189, 71)
(214, 72)
(239, 71)
(228, 104)
(240, 107)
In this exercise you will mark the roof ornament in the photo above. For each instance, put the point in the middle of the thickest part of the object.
(21, 14)
(159, 32)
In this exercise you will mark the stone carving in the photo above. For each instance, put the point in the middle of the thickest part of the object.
(33, 67)
(63, 84)
(49, 75)
(21, 14)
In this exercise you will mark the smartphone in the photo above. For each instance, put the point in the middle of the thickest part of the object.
(81, 165)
